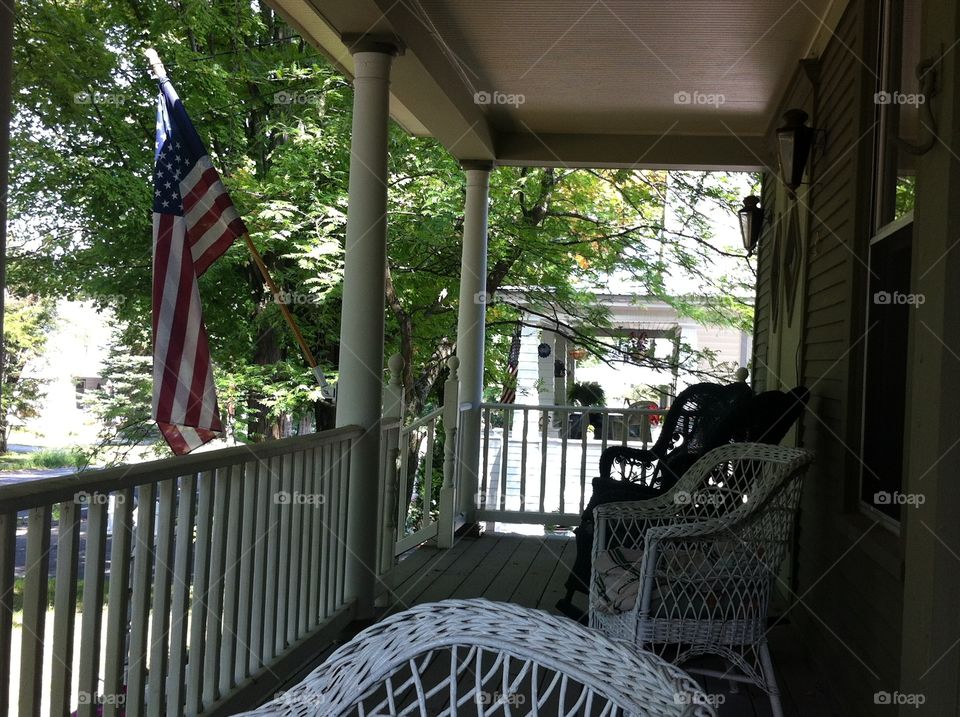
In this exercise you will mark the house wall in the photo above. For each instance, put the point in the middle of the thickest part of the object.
(847, 588)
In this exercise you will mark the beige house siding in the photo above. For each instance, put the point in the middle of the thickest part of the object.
(847, 570)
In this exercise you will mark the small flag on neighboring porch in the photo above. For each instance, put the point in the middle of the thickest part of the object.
(509, 394)
(194, 223)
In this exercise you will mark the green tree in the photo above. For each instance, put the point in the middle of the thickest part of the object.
(276, 117)
(123, 401)
(27, 322)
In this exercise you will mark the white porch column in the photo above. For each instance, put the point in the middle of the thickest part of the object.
(470, 328)
(359, 391)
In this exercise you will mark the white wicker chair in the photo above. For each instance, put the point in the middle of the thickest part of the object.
(691, 572)
(474, 657)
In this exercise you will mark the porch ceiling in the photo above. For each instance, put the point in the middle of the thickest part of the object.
(655, 83)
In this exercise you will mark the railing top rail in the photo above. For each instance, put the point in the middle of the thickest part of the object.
(589, 409)
(30, 494)
(422, 421)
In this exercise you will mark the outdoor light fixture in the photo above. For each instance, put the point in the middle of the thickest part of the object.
(751, 222)
(794, 141)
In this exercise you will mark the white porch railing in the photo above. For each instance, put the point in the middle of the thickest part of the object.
(537, 462)
(413, 510)
(417, 516)
(198, 577)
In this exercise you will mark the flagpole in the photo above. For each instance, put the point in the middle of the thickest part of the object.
(156, 65)
(278, 297)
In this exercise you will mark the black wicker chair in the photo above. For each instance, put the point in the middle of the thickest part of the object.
(703, 417)
(696, 422)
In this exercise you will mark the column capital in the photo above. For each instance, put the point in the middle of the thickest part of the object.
(364, 42)
(482, 164)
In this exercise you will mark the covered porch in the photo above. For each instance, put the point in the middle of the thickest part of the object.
(209, 583)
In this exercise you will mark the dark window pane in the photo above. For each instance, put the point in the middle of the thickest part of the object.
(886, 372)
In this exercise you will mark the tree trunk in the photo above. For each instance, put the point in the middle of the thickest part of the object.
(266, 352)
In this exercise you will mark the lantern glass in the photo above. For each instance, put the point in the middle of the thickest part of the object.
(786, 139)
(793, 147)
(746, 228)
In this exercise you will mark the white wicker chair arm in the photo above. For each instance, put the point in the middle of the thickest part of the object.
(652, 509)
(665, 505)
(370, 668)
(680, 502)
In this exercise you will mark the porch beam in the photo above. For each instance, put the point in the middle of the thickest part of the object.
(666, 150)
(471, 329)
(359, 391)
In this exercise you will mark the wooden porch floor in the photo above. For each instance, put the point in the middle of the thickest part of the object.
(531, 571)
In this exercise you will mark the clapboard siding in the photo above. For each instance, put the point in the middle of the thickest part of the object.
(832, 218)
(826, 281)
(831, 331)
(858, 598)
(826, 258)
(847, 568)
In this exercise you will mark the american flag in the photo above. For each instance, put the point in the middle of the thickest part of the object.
(194, 222)
(509, 394)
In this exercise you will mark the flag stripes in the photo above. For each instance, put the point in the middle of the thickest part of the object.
(194, 223)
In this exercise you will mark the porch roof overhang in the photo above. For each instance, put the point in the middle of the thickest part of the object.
(610, 83)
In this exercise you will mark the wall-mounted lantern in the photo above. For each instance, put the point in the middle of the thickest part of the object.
(751, 222)
(794, 141)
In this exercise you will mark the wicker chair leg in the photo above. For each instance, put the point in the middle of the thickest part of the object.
(770, 678)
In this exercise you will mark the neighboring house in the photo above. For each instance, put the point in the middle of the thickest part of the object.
(70, 369)
(539, 379)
